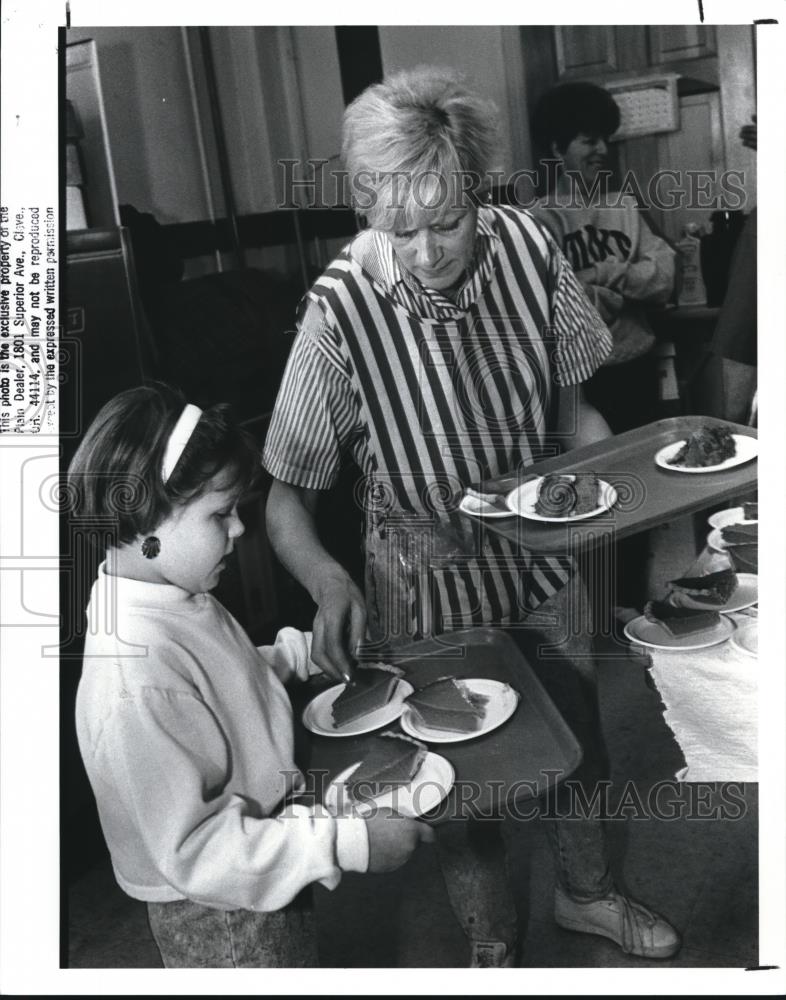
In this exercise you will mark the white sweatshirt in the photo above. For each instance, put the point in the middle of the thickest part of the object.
(621, 264)
(185, 730)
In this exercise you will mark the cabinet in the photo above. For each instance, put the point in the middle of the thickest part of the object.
(670, 42)
(587, 51)
(694, 151)
(716, 90)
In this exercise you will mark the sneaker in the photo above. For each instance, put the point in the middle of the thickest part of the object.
(491, 955)
(637, 930)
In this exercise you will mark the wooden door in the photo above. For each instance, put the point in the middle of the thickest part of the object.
(674, 42)
(585, 50)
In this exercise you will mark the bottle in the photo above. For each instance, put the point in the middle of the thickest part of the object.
(692, 291)
(717, 248)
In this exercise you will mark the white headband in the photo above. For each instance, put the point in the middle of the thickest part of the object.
(179, 438)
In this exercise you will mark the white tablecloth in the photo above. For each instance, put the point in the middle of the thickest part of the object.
(711, 700)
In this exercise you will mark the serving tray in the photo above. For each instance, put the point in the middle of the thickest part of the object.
(530, 753)
(648, 495)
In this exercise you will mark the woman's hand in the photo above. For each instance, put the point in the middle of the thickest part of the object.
(340, 623)
(339, 626)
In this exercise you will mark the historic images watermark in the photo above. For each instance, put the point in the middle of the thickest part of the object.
(308, 184)
(544, 797)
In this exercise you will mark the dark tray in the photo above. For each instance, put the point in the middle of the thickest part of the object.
(648, 494)
(528, 754)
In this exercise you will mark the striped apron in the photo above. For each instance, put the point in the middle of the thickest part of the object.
(447, 403)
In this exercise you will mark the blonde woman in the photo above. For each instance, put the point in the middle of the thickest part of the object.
(447, 343)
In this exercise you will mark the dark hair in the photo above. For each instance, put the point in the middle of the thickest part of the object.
(115, 474)
(573, 108)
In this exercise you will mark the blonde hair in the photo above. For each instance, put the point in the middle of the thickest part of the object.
(416, 144)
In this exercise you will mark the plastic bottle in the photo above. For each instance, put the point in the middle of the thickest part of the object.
(692, 291)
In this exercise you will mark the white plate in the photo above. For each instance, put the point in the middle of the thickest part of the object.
(646, 633)
(427, 789)
(746, 640)
(747, 449)
(745, 596)
(318, 718)
(522, 501)
(480, 508)
(715, 540)
(732, 515)
(717, 544)
(499, 708)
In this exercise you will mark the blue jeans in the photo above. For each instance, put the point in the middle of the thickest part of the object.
(472, 852)
(192, 936)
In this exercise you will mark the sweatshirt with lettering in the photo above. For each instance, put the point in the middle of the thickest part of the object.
(622, 265)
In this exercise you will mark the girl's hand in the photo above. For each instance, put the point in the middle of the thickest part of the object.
(392, 839)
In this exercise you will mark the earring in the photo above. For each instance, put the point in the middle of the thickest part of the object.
(151, 547)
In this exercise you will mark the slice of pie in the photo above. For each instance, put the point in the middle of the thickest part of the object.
(712, 589)
(567, 495)
(449, 705)
(370, 689)
(704, 447)
(741, 533)
(587, 492)
(745, 557)
(680, 621)
(391, 762)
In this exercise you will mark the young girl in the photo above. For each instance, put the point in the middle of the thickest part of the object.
(185, 727)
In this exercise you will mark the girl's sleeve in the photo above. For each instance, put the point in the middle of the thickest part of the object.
(212, 846)
(290, 655)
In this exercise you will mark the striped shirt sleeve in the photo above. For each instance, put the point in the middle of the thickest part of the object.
(582, 339)
(316, 411)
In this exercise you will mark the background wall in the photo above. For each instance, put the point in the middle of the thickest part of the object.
(281, 98)
(153, 130)
(491, 57)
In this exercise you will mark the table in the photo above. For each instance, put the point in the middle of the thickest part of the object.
(525, 757)
(710, 699)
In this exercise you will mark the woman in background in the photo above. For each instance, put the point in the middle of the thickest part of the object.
(621, 264)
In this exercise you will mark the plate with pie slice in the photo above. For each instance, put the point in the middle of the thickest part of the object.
(429, 786)
(745, 595)
(746, 449)
(527, 500)
(656, 636)
(718, 543)
(318, 715)
(498, 701)
(732, 515)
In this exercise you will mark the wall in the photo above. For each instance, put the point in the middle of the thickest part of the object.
(161, 132)
(153, 132)
(319, 77)
(737, 62)
(490, 56)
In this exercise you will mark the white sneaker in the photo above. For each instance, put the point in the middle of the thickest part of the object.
(491, 955)
(637, 930)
